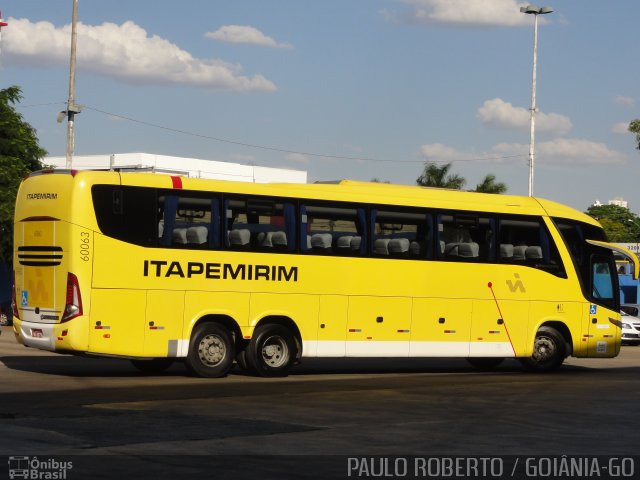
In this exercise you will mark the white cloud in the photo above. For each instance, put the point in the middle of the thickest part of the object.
(561, 151)
(505, 13)
(438, 152)
(244, 34)
(567, 151)
(620, 128)
(297, 158)
(625, 101)
(125, 52)
(497, 112)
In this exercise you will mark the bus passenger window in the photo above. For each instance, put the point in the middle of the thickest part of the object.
(465, 237)
(333, 230)
(401, 234)
(126, 213)
(188, 221)
(260, 225)
(526, 241)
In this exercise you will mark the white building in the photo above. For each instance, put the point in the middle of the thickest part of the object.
(188, 167)
(619, 201)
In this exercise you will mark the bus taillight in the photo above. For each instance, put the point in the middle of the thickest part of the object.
(14, 304)
(73, 307)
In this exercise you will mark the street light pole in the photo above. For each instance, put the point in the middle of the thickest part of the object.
(72, 108)
(535, 11)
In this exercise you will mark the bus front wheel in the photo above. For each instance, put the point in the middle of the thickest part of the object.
(549, 351)
(211, 351)
(271, 351)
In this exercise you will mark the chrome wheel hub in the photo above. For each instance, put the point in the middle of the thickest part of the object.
(212, 350)
(275, 352)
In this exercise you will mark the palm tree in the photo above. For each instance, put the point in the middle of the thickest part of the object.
(437, 176)
(634, 127)
(489, 185)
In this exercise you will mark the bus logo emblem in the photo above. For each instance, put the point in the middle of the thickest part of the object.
(517, 285)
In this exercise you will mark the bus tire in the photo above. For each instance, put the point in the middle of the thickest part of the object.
(485, 364)
(211, 351)
(241, 360)
(271, 351)
(549, 351)
(153, 366)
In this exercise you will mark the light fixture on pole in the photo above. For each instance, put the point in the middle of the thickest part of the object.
(535, 11)
(72, 108)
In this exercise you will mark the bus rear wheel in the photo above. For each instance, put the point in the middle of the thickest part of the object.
(549, 351)
(153, 366)
(271, 351)
(211, 351)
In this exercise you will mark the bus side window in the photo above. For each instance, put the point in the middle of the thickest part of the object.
(466, 237)
(400, 234)
(527, 241)
(188, 221)
(260, 224)
(333, 230)
(602, 284)
(127, 213)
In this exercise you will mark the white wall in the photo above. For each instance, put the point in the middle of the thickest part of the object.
(189, 167)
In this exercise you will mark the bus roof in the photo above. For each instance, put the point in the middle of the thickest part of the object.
(349, 191)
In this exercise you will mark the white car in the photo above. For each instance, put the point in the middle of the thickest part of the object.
(630, 329)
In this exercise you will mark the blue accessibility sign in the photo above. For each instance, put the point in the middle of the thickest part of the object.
(25, 298)
(593, 309)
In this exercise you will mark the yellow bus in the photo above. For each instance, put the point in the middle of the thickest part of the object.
(158, 268)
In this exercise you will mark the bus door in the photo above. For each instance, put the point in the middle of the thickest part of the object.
(383, 320)
(603, 334)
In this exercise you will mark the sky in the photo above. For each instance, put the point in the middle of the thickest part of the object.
(357, 89)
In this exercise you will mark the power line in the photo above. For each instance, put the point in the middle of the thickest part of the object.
(42, 104)
(281, 149)
(286, 150)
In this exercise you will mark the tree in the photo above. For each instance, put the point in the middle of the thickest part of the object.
(634, 127)
(619, 222)
(438, 176)
(489, 185)
(19, 155)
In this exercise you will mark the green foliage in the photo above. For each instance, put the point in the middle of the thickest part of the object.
(634, 127)
(489, 185)
(19, 155)
(620, 223)
(438, 176)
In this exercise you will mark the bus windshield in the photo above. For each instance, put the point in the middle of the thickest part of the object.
(594, 262)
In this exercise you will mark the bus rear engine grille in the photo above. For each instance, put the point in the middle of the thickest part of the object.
(40, 256)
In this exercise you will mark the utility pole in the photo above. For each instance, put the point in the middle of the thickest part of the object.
(2, 24)
(535, 11)
(72, 108)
